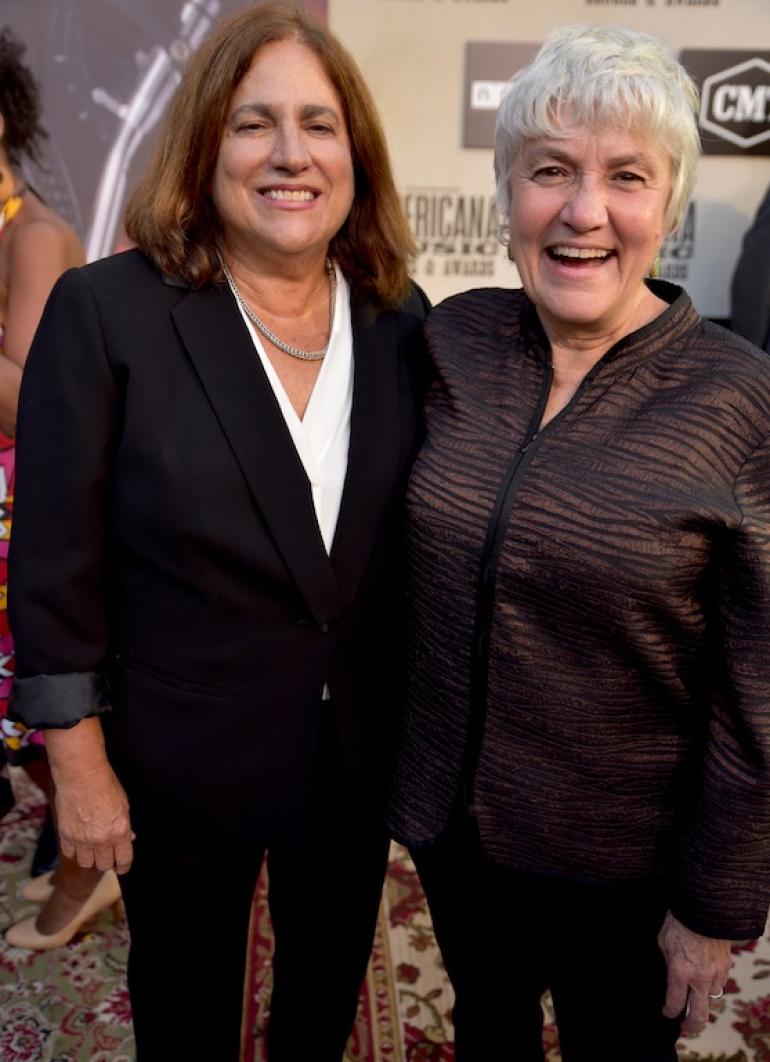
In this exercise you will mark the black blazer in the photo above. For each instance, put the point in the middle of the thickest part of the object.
(166, 560)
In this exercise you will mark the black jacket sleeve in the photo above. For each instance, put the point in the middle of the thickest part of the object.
(69, 415)
(724, 868)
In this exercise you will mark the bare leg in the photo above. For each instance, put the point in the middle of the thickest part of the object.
(73, 886)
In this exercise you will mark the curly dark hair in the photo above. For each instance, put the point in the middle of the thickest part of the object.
(19, 102)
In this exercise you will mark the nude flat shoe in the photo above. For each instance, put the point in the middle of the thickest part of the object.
(37, 890)
(24, 934)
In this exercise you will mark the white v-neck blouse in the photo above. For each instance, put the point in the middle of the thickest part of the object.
(322, 436)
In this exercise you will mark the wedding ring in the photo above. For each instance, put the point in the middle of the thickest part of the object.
(718, 995)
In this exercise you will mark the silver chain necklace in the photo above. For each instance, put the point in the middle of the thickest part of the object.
(268, 333)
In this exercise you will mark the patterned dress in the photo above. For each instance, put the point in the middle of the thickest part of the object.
(16, 741)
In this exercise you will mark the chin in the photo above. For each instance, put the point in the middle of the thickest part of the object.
(578, 316)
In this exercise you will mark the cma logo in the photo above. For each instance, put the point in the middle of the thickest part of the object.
(735, 103)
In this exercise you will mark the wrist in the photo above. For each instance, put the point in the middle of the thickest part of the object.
(77, 753)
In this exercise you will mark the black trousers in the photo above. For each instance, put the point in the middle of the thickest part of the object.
(506, 937)
(188, 902)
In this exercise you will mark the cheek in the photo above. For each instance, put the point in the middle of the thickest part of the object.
(350, 189)
(344, 179)
(531, 214)
(343, 165)
(648, 226)
(237, 160)
(526, 246)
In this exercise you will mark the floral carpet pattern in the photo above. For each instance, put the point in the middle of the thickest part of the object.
(71, 1005)
(63, 1005)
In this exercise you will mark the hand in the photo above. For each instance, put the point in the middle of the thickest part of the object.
(93, 821)
(697, 966)
(92, 809)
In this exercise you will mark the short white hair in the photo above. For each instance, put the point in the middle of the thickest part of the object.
(598, 76)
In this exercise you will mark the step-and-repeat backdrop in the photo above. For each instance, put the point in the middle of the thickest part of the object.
(437, 68)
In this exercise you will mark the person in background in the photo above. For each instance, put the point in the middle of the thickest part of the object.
(750, 289)
(213, 645)
(36, 246)
(586, 751)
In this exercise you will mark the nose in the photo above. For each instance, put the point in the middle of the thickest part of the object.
(586, 206)
(289, 150)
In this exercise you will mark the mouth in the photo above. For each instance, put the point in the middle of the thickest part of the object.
(579, 257)
(289, 195)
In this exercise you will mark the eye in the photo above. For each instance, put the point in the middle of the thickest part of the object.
(322, 129)
(628, 177)
(254, 125)
(550, 174)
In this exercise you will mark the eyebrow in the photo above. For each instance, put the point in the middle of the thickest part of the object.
(307, 112)
(639, 158)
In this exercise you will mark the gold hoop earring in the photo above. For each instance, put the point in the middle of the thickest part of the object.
(655, 268)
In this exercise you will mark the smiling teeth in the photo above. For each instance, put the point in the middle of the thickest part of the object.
(581, 252)
(291, 196)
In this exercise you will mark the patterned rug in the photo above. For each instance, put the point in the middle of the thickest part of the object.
(64, 1005)
(71, 1005)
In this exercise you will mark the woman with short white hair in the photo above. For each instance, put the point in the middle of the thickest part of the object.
(584, 777)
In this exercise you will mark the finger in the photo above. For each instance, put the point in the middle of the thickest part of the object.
(698, 1011)
(67, 848)
(676, 995)
(104, 857)
(719, 979)
(124, 856)
(84, 856)
(716, 991)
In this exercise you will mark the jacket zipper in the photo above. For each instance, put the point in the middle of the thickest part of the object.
(485, 593)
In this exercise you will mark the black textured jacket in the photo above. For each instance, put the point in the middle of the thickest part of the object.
(590, 617)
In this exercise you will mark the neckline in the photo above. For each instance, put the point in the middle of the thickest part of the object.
(679, 316)
(341, 308)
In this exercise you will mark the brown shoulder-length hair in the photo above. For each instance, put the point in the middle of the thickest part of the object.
(171, 216)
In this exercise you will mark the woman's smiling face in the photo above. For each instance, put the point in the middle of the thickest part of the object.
(588, 216)
(283, 182)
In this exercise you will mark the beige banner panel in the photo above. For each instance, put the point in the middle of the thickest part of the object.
(436, 68)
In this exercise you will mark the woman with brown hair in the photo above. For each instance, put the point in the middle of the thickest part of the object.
(214, 641)
(36, 246)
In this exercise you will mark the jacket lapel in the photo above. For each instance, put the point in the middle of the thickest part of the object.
(373, 454)
(223, 354)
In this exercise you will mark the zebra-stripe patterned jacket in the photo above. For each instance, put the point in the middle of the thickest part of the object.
(589, 669)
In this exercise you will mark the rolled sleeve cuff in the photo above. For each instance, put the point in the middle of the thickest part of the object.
(57, 702)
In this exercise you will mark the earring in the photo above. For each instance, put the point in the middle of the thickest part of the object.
(504, 236)
(655, 268)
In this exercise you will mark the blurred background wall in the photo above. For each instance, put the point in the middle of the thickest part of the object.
(436, 67)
